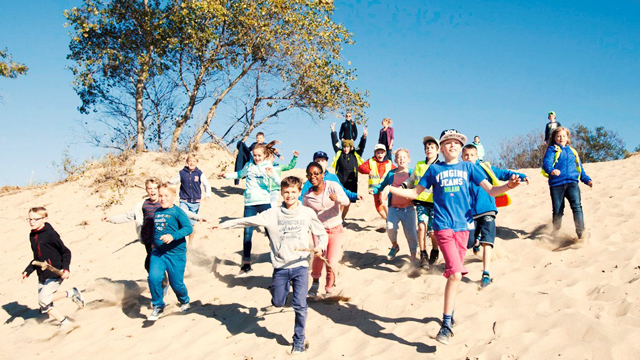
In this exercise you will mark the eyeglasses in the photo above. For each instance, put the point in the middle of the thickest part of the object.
(312, 174)
(34, 219)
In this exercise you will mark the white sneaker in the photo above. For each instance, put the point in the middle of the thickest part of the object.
(77, 298)
(155, 314)
(185, 307)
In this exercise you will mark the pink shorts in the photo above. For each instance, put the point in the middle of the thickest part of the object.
(453, 246)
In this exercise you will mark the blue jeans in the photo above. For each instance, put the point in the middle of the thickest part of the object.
(173, 264)
(193, 207)
(251, 210)
(406, 216)
(299, 279)
(570, 191)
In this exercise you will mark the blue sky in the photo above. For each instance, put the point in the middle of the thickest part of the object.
(491, 68)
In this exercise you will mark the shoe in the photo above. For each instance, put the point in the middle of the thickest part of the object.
(313, 290)
(185, 307)
(155, 314)
(424, 259)
(244, 270)
(444, 334)
(77, 298)
(65, 323)
(476, 248)
(486, 280)
(433, 256)
(298, 349)
(392, 253)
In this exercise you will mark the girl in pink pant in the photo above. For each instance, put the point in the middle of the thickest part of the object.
(325, 198)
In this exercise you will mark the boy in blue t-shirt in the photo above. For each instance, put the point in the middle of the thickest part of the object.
(451, 182)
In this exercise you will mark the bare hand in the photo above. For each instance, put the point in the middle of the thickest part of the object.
(317, 251)
(513, 182)
(333, 127)
(166, 238)
(65, 275)
(526, 180)
(221, 176)
(295, 153)
(555, 172)
(360, 197)
(23, 277)
(370, 191)
(365, 132)
(333, 197)
(203, 219)
(590, 184)
(269, 171)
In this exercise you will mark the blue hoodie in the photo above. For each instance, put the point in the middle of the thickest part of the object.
(353, 197)
(481, 201)
(566, 164)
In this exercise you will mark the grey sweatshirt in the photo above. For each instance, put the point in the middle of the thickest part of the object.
(288, 231)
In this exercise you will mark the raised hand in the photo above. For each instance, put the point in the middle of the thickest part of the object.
(333, 127)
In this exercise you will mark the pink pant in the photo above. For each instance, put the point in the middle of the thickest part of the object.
(333, 255)
(453, 246)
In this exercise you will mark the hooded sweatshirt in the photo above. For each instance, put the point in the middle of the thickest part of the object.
(257, 191)
(48, 247)
(566, 164)
(288, 233)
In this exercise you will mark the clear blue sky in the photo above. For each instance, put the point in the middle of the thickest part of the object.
(488, 68)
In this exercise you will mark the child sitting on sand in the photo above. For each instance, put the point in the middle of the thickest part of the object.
(562, 165)
(452, 221)
(377, 167)
(289, 226)
(484, 209)
(48, 248)
(401, 210)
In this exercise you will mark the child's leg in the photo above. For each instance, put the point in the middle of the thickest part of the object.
(486, 229)
(573, 195)
(345, 210)
(380, 208)
(393, 220)
(249, 210)
(157, 268)
(453, 246)
(486, 256)
(409, 227)
(175, 264)
(194, 208)
(147, 247)
(280, 287)
(300, 283)
(316, 264)
(334, 254)
(557, 205)
(47, 294)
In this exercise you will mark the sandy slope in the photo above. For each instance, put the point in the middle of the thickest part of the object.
(550, 299)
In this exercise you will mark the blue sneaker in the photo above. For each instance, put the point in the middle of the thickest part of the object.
(392, 253)
(486, 280)
(444, 334)
(298, 349)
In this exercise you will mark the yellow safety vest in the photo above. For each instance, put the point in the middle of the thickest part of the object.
(374, 177)
(557, 156)
(503, 199)
(418, 172)
(358, 158)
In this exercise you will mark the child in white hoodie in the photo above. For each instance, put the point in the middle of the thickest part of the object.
(288, 227)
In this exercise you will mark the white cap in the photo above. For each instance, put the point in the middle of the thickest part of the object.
(379, 147)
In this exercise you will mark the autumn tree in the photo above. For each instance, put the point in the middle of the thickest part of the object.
(597, 144)
(10, 68)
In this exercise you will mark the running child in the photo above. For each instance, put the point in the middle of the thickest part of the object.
(169, 254)
(386, 137)
(424, 203)
(325, 198)
(257, 197)
(48, 248)
(377, 168)
(452, 221)
(274, 187)
(484, 209)
(322, 158)
(401, 210)
(346, 162)
(192, 181)
(564, 168)
(289, 226)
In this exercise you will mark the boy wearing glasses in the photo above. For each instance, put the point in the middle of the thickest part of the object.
(47, 247)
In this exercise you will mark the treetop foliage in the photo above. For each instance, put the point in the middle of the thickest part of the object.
(9, 68)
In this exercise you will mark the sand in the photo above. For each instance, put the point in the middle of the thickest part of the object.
(551, 297)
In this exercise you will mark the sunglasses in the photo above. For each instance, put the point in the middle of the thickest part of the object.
(311, 174)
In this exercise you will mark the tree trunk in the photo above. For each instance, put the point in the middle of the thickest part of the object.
(140, 111)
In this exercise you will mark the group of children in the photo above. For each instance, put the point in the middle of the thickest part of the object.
(453, 202)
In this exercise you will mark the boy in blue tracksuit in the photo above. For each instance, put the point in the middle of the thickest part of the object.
(322, 158)
(169, 252)
(562, 165)
(484, 209)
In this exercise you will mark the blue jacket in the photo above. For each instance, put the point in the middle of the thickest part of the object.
(173, 221)
(388, 181)
(329, 177)
(481, 201)
(566, 164)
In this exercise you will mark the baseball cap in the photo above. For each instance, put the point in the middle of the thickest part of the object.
(552, 113)
(453, 134)
(428, 139)
(379, 147)
(320, 154)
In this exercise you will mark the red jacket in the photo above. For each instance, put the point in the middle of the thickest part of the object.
(365, 169)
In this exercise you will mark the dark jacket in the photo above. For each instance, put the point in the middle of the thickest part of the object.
(190, 185)
(348, 130)
(346, 165)
(48, 247)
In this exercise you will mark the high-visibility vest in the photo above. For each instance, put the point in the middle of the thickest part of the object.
(503, 199)
(556, 156)
(374, 177)
(418, 172)
(358, 158)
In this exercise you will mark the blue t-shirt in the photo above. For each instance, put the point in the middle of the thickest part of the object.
(451, 184)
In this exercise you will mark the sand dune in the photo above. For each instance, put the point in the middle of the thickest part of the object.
(552, 298)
